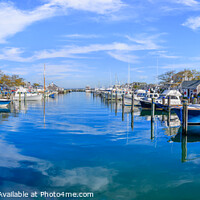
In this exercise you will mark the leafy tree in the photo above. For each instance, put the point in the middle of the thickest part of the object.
(167, 77)
(10, 81)
(177, 78)
(35, 84)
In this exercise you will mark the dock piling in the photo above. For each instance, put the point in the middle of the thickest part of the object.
(169, 102)
(132, 103)
(184, 148)
(163, 100)
(185, 117)
(25, 96)
(132, 120)
(123, 104)
(152, 109)
(116, 103)
(19, 96)
(116, 97)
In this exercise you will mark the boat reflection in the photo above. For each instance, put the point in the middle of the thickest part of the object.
(192, 136)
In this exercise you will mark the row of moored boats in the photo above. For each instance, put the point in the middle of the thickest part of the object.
(143, 98)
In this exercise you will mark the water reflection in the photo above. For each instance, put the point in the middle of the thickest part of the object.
(77, 143)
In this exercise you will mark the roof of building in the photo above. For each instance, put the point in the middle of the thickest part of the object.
(190, 84)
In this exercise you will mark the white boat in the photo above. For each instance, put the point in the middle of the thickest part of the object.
(138, 95)
(149, 96)
(174, 96)
(4, 103)
(25, 95)
(162, 101)
(111, 95)
(28, 96)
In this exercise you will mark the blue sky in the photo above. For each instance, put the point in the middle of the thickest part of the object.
(91, 42)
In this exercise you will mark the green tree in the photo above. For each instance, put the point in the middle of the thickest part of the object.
(167, 77)
(36, 84)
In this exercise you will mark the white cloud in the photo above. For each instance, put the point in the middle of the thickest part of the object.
(182, 66)
(118, 50)
(147, 41)
(192, 22)
(13, 20)
(97, 6)
(164, 54)
(188, 2)
(13, 54)
(82, 36)
(124, 57)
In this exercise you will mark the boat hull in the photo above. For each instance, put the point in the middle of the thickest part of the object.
(4, 103)
(146, 105)
(28, 97)
(193, 115)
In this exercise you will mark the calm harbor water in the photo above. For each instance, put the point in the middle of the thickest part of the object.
(77, 143)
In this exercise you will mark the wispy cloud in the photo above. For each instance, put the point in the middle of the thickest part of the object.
(147, 41)
(188, 2)
(98, 6)
(182, 66)
(113, 49)
(13, 54)
(14, 20)
(192, 22)
(164, 54)
(124, 57)
(82, 36)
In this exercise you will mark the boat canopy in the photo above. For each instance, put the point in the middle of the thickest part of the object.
(171, 93)
(140, 91)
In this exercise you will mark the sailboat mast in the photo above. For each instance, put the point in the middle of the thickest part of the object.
(129, 74)
(44, 79)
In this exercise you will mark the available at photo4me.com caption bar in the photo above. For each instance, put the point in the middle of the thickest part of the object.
(45, 194)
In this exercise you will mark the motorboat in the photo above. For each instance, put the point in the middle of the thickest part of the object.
(4, 102)
(138, 95)
(25, 95)
(193, 113)
(113, 94)
(162, 101)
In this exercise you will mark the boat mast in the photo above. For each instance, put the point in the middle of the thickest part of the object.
(128, 74)
(44, 79)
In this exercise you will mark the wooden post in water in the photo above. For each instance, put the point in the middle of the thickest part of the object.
(132, 120)
(169, 110)
(169, 102)
(185, 117)
(115, 103)
(152, 109)
(152, 130)
(132, 103)
(184, 148)
(19, 96)
(11, 97)
(123, 107)
(163, 100)
(25, 96)
(152, 117)
(116, 97)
